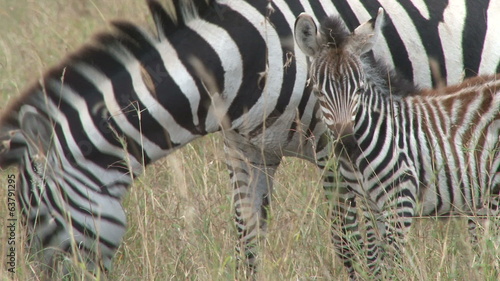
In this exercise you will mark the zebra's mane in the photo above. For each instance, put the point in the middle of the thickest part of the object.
(386, 78)
(124, 35)
(177, 14)
(334, 32)
(335, 35)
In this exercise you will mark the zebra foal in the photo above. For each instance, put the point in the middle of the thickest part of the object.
(430, 153)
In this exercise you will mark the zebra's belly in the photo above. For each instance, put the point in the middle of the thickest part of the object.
(443, 200)
(432, 200)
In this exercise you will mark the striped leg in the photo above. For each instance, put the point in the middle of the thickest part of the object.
(489, 216)
(472, 224)
(373, 251)
(346, 237)
(251, 172)
(399, 212)
(345, 233)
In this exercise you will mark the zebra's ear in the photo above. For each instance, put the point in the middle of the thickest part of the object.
(364, 36)
(306, 35)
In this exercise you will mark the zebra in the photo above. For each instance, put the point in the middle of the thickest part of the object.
(406, 154)
(85, 132)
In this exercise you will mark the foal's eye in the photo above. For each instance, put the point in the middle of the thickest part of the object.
(361, 88)
(317, 93)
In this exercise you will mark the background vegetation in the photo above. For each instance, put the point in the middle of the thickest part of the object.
(179, 212)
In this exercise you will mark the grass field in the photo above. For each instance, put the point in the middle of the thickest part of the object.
(179, 212)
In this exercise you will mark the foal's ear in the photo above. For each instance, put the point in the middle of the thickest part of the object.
(364, 36)
(306, 35)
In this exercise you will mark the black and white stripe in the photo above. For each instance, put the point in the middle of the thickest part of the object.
(131, 97)
(432, 153)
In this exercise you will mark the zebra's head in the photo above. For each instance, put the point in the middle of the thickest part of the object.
(336, 66)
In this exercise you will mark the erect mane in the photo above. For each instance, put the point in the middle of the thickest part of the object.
(124, 36)
(177, 14)
(334, 32)
(389, 78)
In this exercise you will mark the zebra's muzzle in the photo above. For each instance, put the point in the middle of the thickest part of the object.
(342, 130)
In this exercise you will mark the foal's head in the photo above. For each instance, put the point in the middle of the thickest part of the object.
(336, 70)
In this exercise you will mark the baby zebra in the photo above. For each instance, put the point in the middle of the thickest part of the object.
(432, 153)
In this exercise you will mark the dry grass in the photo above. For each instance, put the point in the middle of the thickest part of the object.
(179, 212)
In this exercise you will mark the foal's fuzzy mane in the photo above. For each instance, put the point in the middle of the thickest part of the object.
(334, 32)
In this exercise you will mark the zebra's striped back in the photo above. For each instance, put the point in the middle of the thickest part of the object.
(455, 141)
(450, 142)
(130, 97)
(432, 153)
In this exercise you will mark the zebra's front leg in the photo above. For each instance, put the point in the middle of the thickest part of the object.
(374, 229)
(345, 231)
(251, 172)
(346, 237)
(398, 214)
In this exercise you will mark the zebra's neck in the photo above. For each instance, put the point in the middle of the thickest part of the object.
(385, 90)
(376, 116)
(385, 80)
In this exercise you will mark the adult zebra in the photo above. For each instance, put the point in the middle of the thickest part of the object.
(62, 133)
(434, 153)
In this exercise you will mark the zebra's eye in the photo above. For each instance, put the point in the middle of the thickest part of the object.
(361, 87)
(317, 93)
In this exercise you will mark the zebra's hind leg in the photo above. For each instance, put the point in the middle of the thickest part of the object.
(472, 227)
(251, 172)
(484, 233)
(485, 222)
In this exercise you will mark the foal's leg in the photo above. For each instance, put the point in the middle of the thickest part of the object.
(374, 229)
(398, 212)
